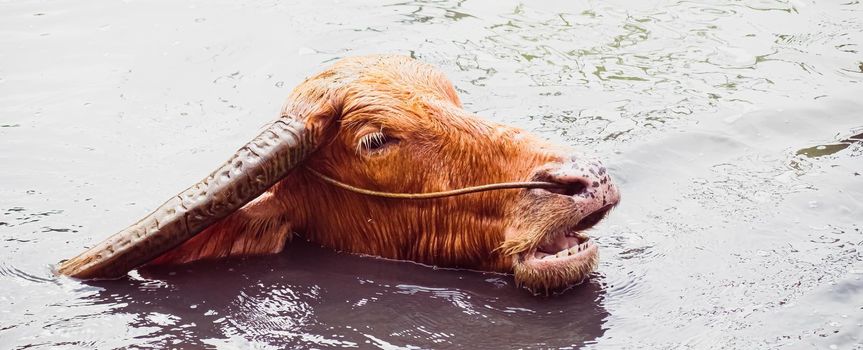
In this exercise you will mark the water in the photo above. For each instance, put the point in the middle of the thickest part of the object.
(733, 129)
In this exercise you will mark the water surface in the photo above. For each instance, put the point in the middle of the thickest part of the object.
(733, 128)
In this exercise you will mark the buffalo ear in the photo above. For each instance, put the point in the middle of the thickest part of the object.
(253, 169)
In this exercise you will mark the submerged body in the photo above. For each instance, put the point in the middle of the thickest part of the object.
(385, 123)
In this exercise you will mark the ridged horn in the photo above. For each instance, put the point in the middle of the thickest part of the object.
(253, 169)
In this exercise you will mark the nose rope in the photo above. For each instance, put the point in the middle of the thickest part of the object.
(430, 195)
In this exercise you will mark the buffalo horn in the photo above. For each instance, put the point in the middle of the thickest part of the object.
(252, 170)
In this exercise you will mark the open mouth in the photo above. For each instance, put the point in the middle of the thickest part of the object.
(563, 257)
(572, 243)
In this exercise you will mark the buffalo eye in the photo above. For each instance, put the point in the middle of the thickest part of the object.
(374, 142)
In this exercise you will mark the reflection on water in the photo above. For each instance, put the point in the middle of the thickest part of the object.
(733, 127)
(315, 297)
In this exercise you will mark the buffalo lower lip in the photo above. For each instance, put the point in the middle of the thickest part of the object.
(576, 249)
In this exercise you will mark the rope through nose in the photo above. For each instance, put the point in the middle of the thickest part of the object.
(441, 194)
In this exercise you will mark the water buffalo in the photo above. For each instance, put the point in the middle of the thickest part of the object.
(389, 124)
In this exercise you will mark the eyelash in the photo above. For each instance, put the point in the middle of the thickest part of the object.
(372, 142)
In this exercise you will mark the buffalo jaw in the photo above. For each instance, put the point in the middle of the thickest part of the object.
(548, 243)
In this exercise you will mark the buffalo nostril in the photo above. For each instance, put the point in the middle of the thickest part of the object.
(571, 187)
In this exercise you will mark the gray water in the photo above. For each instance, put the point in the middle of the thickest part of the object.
(733, 129)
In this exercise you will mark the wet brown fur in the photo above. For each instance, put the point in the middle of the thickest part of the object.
(439, 146)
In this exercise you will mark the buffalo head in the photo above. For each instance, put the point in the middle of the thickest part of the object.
(385, 123)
